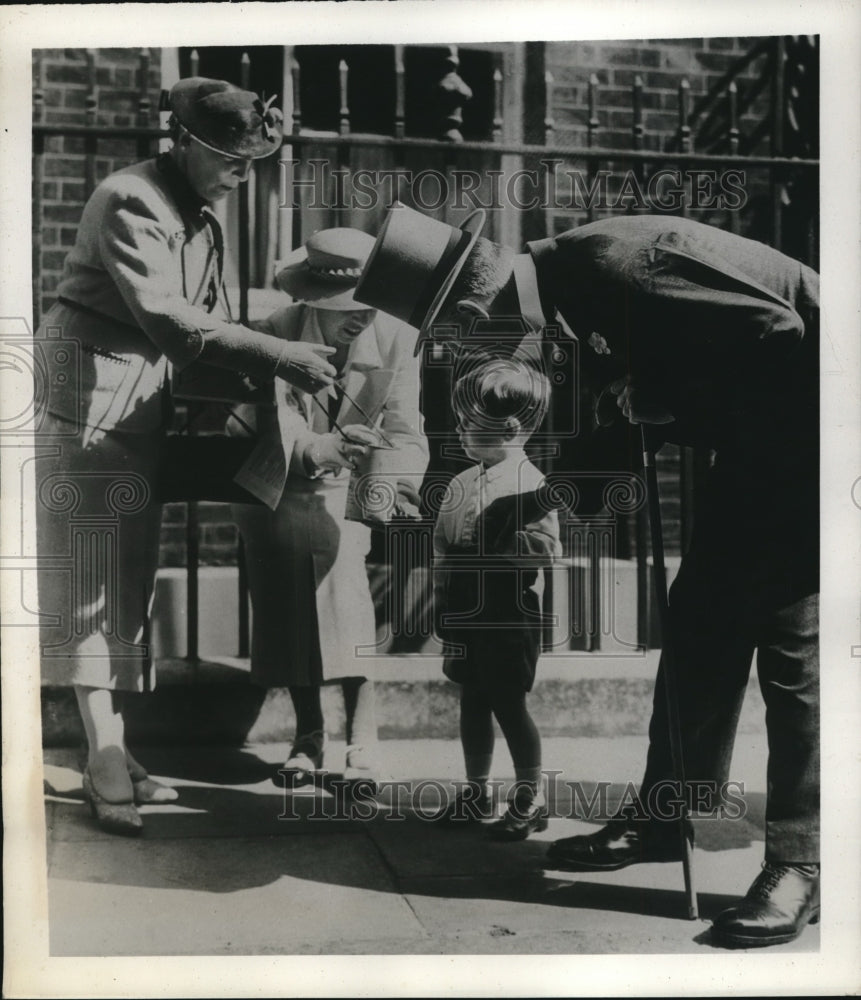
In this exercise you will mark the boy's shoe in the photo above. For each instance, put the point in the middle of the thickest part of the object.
(470, 806)
(306, 757)
(522, 817)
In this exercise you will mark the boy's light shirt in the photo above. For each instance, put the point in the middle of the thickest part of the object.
(474, 489)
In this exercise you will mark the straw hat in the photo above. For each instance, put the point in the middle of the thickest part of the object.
(414, 263)
(225, 118)
(326, 269)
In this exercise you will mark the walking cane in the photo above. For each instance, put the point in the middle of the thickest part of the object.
(668, 657)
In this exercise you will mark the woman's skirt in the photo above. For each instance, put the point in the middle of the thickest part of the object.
(313, 616)
(97, 535)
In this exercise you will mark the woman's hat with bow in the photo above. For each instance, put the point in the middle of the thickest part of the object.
(225, 118)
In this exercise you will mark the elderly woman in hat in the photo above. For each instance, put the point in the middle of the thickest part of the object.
(356, 454)
(141, 293)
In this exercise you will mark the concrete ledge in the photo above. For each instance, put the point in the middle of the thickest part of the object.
(215, 703)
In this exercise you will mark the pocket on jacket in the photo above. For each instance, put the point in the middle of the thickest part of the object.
(93, 385)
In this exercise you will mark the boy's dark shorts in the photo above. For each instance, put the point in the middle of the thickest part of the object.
(495, 657)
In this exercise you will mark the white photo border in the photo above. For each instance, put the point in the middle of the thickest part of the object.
(836, 967)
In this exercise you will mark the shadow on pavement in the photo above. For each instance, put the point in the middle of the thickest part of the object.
(328, 839)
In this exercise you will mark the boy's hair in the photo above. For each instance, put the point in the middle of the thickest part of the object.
(484, 273)
(496, 390)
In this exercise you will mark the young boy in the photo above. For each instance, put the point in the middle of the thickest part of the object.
(492, 538)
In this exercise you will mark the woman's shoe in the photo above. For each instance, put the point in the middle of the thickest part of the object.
(117, 814)
(306, 757)
(146, 790)
(360, 768)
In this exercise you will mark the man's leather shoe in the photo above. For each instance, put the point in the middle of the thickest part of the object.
(782, 901)
(618, 844)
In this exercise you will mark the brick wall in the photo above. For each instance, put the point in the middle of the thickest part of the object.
(661, 64)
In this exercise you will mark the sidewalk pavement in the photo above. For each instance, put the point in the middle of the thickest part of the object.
(238, 867)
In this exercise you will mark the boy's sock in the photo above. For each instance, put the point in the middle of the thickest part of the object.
(473, 801)
(529, 783)
(524, 745)
(478, 768)
(528, 791)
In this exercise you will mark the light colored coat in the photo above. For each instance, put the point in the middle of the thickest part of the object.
(139, 291)
(306, 562)
(136, 294)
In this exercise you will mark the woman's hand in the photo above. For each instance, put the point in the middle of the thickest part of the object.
(405, 510)
(340, 451)
(305, 366)
(360, 434)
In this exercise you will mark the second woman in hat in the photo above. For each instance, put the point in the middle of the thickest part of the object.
(313, 611)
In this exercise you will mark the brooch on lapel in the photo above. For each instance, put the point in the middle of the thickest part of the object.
(598, 344)
(176, 239)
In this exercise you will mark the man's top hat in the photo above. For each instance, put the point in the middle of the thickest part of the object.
(414, 264)
(225, 118)
(325, 270)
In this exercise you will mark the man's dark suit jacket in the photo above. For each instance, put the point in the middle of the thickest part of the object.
(724, 329)
(726, 332)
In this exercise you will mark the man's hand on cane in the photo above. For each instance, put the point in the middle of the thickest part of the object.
(639, 403)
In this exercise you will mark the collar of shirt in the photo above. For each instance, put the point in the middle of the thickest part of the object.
(184, 194)
(197, 216)
(363, 353)
(529, 294)
(507, 474)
